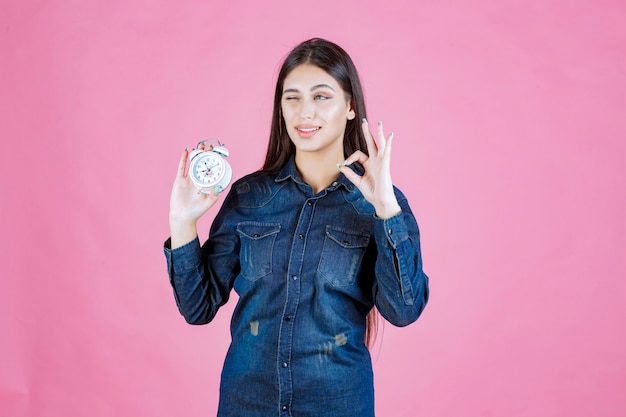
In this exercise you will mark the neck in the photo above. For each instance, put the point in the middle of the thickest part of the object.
(319, 171)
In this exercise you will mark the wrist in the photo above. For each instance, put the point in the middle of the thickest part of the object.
(388, 211)
(182, 232)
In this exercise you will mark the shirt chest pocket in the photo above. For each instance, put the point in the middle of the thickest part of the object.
(342, 255)
(257, 244)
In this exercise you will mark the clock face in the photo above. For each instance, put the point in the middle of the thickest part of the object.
(208, 169)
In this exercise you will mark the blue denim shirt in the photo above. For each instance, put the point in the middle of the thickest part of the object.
(308, 269)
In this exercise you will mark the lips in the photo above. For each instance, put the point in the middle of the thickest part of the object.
(307, 131)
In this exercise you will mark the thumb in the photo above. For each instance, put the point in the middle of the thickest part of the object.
(352, 176)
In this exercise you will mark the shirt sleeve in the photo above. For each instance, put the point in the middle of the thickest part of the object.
(202, 276)
(401, 287)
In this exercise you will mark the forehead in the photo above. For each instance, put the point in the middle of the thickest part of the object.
(307, 76)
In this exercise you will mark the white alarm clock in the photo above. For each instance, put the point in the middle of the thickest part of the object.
(209, 169)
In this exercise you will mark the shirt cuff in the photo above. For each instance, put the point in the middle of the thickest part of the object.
(183, 258)
(394, 229)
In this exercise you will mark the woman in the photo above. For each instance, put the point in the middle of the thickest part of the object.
(310, 243)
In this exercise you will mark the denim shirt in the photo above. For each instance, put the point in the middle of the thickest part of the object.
(307, 269)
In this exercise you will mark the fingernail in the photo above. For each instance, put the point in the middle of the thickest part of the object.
(186, 149)
(391, 136)
(218, 189)
(339, 167)
(364, 120)
(380, 123)
(345, 162)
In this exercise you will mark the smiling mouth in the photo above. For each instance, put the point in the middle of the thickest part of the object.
(308, 129)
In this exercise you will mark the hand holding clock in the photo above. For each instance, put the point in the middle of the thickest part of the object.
(194, 193)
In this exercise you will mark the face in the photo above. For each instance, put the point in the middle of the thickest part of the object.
(315, 110)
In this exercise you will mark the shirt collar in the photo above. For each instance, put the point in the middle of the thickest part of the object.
(289, 170)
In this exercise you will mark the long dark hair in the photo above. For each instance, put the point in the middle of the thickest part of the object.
(336, 62)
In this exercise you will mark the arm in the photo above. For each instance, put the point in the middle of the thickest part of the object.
(200, 276)
(400, 287)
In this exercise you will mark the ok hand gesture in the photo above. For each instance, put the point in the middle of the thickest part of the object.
(375, 184)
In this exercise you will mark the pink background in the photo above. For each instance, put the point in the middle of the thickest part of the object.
(510, 144)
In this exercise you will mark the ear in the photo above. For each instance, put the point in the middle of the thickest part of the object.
(351, 112)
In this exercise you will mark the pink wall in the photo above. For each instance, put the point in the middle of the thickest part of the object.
(510, 143)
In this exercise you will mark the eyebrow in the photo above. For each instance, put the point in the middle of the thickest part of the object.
(315, 87)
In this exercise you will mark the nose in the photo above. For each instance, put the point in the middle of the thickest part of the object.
(307, 109)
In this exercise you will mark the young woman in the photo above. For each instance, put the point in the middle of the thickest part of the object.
(310, 243)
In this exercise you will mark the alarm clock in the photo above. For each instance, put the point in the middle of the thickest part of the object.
(208, 169)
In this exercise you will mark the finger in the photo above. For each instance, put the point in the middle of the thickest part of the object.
(356, 156)
(182, 164)
(372, 149)
(388, 145)
(352, 176)
(212, 197)
(380, 133)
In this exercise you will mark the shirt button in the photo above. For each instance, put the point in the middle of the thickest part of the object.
(293, 277)
(287, 318)
(301, 236)
(284, 365)
(284, 408)
(335, 184)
